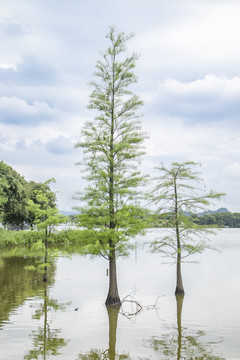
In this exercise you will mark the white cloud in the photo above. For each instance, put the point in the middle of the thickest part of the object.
(29, 71)
(61, 145)
(212, 98)
(202, 39)
(210, 84)
(11, 26)
(234, 169)
(18, 112)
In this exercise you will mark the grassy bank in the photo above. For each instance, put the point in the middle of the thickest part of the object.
(27, 238)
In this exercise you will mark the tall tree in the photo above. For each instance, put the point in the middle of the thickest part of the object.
(112, 145)
(177, 196)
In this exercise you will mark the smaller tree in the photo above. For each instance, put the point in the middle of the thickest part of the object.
(34, 189)
(177, 196)
(46, 216)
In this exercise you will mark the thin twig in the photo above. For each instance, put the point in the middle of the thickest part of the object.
(139, 307)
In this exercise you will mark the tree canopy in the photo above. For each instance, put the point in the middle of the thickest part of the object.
(15, 192)
(14, 188)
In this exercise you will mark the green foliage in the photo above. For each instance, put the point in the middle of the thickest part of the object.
(42, 259)
(43, 209)
(3, 197)
(7, 238)
(63, 240)
(34, 191)
(231, 220)
(112, 145)
(129, 221)
(78, 238)
(13, 188)
(15, 192)
(176, 195)
(27, 238)
(46, 216)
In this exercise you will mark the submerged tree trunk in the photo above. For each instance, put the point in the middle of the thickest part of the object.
(45, 323)
(179, 299)
(112, 318)
(113, 298)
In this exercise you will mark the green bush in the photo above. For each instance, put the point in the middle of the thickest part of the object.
(7, 238)
(26, 238)
(78, 238)
(72, 237)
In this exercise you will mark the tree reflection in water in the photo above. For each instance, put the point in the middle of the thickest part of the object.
(46, 341)
(178, 345)
(16, 283)
(110, 353)
(181, 344)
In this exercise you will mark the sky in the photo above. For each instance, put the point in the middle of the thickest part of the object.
(188, 77)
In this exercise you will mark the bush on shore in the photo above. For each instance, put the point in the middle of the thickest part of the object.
(27, 238)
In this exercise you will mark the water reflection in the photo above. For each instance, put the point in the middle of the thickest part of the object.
(110, 353)
(17, 284)
(183, 344)
(150, 337)
(178, 344)
(46, 341)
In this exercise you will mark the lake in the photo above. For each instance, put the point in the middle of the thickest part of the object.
(67, 318)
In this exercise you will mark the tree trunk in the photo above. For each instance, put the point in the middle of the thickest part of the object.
(45, 323)
(179, 299)
(45, 275)
(112, 318)
(113, 298)
(179, 287)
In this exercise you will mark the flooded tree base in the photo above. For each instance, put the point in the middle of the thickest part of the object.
(113, 302)
(179, 291)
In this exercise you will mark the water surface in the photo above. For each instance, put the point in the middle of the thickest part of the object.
(67, 318)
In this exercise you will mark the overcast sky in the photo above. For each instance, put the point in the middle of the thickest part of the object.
(188, 76)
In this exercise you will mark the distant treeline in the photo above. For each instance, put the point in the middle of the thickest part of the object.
(225, 219)
(219, 220)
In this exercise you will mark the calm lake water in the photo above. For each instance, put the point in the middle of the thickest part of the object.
(68, 320)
